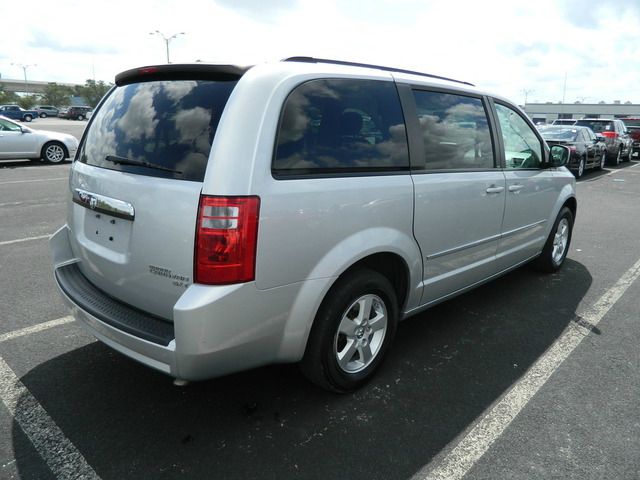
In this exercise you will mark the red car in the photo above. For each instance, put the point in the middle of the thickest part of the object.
(633, 125)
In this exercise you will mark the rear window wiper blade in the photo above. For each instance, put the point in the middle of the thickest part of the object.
(127, 161)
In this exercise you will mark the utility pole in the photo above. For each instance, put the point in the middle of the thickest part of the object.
(24, 71)
(526, 93)
(166, 39)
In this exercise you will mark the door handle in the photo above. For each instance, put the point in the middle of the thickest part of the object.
(515, 188)
(494, 189)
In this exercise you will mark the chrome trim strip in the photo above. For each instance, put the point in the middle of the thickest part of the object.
(464, 247)
(484, 240)
(520, 229)
(102, 204)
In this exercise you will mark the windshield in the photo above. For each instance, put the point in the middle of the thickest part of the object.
(168, 124)
(567, 134)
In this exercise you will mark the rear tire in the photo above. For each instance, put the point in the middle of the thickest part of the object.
(43, 115)
(352, 332)
(557, 246)
(618, 158)
(581, 166)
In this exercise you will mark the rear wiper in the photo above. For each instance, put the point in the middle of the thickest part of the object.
(127, 161)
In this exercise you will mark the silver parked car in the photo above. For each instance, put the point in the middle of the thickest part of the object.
(222, 218)
(21, 142)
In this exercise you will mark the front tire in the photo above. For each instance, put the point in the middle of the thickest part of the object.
(557, 246)
(43, 115)
(352, 332)
(28, 118)
(80, 117)
(54, 152)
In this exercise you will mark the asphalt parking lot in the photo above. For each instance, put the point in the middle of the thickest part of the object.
(528, 377)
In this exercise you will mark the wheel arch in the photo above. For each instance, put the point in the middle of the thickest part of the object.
(403, 269)
(572, 204)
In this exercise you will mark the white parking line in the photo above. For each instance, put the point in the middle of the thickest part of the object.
(35, 180)
(27, 239)
(477, 441)
(35, 328)
(62, 457)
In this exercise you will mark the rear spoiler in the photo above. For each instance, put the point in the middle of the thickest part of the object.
(192, 71)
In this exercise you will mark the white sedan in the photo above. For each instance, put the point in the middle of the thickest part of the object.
(18, 141)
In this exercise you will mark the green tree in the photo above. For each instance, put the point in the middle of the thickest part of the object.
(28, 101)
(57, 95)
(93, 91)
(7, 97)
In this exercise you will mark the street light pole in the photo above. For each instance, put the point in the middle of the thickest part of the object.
(166, 39)
(24, 71)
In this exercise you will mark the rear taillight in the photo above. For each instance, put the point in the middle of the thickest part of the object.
(226, 238)
(610, 134)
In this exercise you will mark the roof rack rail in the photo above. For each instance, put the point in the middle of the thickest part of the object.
(367, 65)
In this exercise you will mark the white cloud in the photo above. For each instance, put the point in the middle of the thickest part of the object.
(506, 47)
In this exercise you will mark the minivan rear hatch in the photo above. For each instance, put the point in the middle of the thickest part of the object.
(137, 180)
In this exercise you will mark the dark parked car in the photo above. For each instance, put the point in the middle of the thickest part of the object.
(75, 113)
(45, 111)
(633, 126)
(616, 137)
(587, 149)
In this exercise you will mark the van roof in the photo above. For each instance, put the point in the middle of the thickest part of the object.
(234, 72)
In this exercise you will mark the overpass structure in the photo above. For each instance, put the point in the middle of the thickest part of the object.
(20, 86)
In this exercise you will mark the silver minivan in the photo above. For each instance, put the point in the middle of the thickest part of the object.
(221, 218)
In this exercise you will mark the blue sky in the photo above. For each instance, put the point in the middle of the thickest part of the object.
(505, 47)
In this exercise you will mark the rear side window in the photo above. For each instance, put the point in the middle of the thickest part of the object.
(455, 131)
(160, 128)
(341, 126)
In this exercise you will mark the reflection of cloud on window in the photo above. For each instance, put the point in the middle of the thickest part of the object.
(295, 119)
(465, 111)
(193, 127)
(101, 139)
(140, 119)
(394, 151)
(192, 164)
(178, 90)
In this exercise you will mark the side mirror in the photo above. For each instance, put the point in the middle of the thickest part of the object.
(599, 137)
(559, 156)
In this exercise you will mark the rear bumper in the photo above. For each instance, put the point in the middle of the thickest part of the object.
(215, 330)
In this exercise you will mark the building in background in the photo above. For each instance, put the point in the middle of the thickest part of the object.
(548, 112)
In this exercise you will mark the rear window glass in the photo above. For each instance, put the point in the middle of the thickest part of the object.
(570, 135)
(160, 128)
(631, 122)
(598, 126)
(341, 126)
